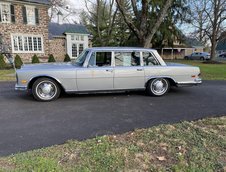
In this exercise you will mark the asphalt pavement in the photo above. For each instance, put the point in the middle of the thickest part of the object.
(26, 124)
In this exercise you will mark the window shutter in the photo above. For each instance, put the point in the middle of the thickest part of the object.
(0, 16)
(24, 12)
(36, 16)
(12, 13)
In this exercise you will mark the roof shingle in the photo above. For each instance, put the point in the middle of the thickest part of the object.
(56, 29)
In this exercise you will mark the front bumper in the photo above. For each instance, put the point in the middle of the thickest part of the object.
(20, 88)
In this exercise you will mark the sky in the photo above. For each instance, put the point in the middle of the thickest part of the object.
(77, 3)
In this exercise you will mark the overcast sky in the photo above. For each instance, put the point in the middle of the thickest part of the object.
(77, 3)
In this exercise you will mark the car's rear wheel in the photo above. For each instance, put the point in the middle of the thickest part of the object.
(158, 87)
(45, 89)
(186, 58)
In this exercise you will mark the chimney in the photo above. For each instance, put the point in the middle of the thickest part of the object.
(59, 17)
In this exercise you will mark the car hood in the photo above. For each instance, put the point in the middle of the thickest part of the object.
(48, 66)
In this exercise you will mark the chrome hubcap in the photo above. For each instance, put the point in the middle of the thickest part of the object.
(46, 90)
(159, 86)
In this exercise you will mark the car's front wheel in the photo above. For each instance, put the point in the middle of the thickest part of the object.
(158, 87)
(45, 89)
(202, 58)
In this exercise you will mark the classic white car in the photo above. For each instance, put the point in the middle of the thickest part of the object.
(106, 69)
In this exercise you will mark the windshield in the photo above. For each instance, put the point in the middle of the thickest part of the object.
(81, 58)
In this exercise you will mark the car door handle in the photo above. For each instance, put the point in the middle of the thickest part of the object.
(109, 70)
(139, 69)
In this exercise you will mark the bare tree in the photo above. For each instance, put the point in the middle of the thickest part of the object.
(208, 17)
(144, 31)
(67, 9)
(199, 20)
(54, 7)
(216, 12)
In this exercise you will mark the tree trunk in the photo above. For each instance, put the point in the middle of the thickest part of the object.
(213, 49)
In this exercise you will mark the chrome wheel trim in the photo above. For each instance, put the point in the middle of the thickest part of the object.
(159, 86)
(46, 90)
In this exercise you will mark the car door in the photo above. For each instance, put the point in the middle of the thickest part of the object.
(128, 71)
(98, 74)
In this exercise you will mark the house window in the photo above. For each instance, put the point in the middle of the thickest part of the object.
(30, 11)
(72, 37)
(5, 16)
(74, 50)
(30, 15)
(81, 48)
(22, 43)
(82, 38)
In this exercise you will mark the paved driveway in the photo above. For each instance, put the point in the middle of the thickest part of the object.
(26, 124)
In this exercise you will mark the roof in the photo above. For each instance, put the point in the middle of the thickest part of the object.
(221, 45)
(56, 29)
(45, 2)
(192, 42)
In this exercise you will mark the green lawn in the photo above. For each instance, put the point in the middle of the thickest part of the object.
(188, 146)
(208, 71)
(7, 75)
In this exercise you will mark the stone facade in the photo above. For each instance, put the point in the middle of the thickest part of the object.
(41, 29)
(57, 47)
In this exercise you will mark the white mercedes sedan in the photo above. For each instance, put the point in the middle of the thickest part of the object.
(106, 69)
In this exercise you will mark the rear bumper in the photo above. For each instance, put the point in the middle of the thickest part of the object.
(197, 81)
(20, 88)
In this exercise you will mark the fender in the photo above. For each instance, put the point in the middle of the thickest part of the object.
(159, 76)
(31, 81)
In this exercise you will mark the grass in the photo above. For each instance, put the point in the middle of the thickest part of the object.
(7, 75)
(208, 71)
(187, 146)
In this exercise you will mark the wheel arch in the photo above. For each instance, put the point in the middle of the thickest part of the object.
(171, 80)
(32, 81)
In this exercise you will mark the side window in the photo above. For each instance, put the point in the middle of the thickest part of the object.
(100, 59)
(149, 59)
(127, 58)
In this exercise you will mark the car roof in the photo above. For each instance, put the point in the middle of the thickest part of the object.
(121, 48)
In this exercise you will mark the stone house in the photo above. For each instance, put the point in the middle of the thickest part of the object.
(24, 27)
(25, 30)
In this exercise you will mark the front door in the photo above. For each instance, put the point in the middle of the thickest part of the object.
(98, 75)
(128, 73)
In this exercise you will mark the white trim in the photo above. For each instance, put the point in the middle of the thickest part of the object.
(27, 35)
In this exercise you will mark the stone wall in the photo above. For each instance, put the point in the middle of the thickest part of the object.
(6, 29)
(57, 47)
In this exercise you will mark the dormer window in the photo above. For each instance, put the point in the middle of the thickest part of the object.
(7, 14)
